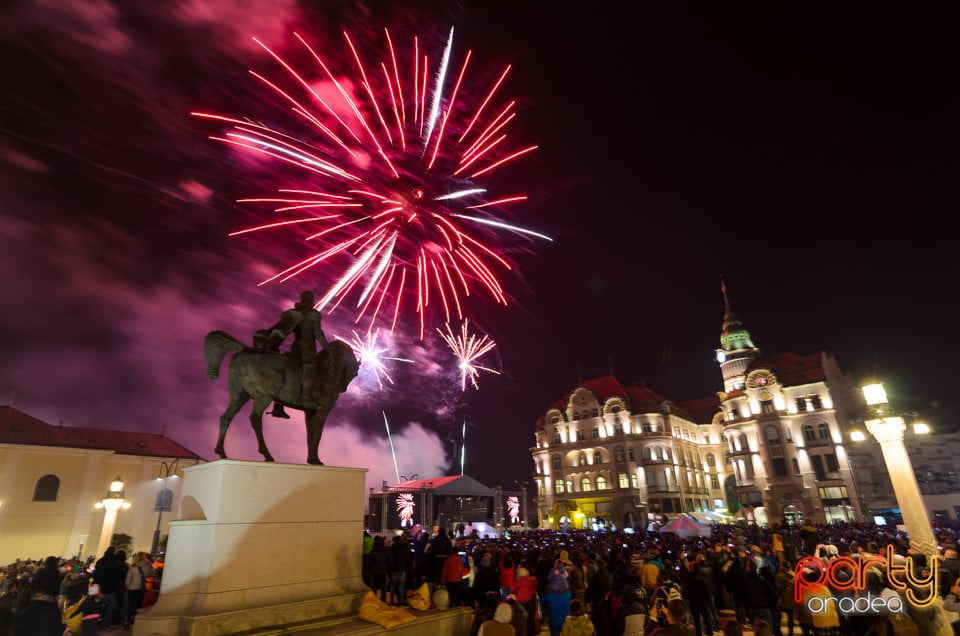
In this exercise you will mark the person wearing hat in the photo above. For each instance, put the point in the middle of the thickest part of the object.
(577, 622)
(92, 607)
(500, 625)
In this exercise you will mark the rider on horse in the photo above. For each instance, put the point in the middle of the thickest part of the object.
(304, 321)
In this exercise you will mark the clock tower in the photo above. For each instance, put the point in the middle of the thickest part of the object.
(736, 351)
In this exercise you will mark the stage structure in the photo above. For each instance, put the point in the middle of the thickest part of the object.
(456, 502)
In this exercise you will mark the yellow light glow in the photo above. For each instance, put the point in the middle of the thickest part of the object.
(857, 436)
(578, 515)
(921, 429)
(874, 394)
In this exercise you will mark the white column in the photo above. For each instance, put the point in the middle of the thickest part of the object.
(106, 534)
(889, 433)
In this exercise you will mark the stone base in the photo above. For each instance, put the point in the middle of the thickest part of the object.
(260, 545)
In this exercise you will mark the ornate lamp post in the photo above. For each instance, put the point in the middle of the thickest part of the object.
(888, 427)
(111, 503)
(164, 501)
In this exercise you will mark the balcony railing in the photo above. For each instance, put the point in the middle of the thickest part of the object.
(658, 489)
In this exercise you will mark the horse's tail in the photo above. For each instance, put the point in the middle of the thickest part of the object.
(215, 345)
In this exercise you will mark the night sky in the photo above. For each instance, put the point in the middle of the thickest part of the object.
(807, 155)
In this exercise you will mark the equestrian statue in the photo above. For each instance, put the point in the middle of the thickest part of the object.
(302, 379)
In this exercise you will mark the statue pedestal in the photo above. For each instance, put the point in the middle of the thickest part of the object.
(259, 545)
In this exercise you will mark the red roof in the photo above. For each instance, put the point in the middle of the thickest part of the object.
(792, 369)
(639, 399)
(17, 427)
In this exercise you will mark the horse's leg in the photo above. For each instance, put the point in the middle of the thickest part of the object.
(260, 404)
(237, 400)
(315, 419)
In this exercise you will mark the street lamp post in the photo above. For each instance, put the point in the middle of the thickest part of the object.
(164, 501)
(888, 427)
(111, 503)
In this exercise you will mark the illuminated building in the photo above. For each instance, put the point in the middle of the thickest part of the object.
(608, 455)
(768, 447)
(53, 479)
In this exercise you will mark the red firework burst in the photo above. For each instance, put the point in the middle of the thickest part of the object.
(396, 162)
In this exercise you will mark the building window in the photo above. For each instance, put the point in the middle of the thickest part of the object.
(808, 433)
(630, 454)
(594, 433)
(622, 480)
(779, 467)
(597, 458)
(47, 488)
(817, 461)
(815, 402)
(645, 452)
(833, 492)
(618, 429)
(714, 482)
(634, 482)
(766, 406)
(556, 462)
(556, 439)
(773, 435)
(601, 483)
(832, 465)
(711, 460)
(801, 404)
(796, 466)
(823, 431)
(618, 453)
(579, 436)
(585, 485)
(582, 460)
(594, 413)
(647, 428)
(559, 486)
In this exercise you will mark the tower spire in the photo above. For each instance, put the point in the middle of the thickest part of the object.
(737, 350)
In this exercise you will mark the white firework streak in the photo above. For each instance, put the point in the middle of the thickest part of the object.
(372, 355)
(405, 506)
(513, 509)
(467, 349)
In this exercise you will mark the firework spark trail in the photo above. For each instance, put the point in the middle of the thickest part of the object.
(390, 163)
(372, 356)
(468, 348)
(405, 506)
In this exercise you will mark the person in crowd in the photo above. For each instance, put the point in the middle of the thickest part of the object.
(485, 612)
(365, 564)
(401, 564)
(634, 610)
(487, 579)
(500, 625)
(555, 603)
(762, 628)
(507, 572)
(519, 618)
(46, 581)
(697, 592)
(451, 577)
(577, 622)
(525, 591)
(823, 623)
(785, 583)
(92, 607)
(578, 588)
(676, 621)
(135, 583)
(108, 575)
(379, 567)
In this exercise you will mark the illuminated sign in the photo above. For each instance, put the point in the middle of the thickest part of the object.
(919, 591)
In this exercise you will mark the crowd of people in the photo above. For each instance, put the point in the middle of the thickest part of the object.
(40, 598)
(583, 583)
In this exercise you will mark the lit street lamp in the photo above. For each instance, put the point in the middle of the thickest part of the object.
(111, 503)
(888, 427)
(164, 501)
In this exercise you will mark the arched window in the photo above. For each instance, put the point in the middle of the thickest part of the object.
(645, 453)
(601, 483)
(556, 462)
(711, 460)
(582, 460)
(47, 488)
(597, 458)
(823, 431)
(808, 433)
(773, 434)
(585, 485)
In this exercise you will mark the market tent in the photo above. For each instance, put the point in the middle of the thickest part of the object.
(686, 526)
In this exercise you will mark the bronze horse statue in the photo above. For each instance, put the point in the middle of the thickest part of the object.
(267, 376)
